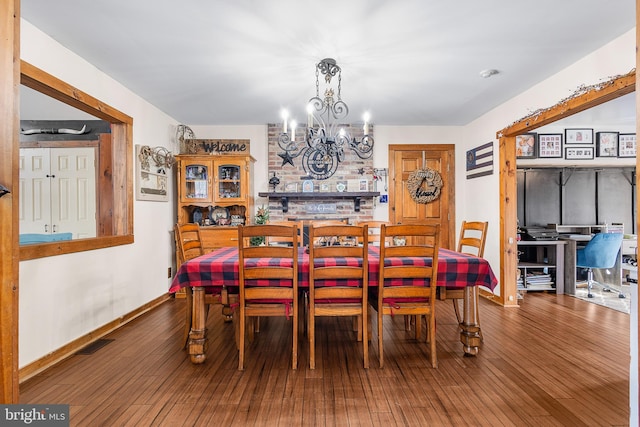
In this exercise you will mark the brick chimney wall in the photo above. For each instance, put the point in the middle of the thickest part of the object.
(348, 169)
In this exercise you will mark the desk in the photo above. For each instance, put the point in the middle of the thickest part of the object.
(220, 268)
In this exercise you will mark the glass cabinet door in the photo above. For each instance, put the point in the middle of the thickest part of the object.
(229, 181)
(196, 181)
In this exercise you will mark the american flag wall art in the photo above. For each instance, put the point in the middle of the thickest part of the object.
(480, 161)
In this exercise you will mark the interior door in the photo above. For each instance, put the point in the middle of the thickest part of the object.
(405, 159)
(35, 200)
(58, 191)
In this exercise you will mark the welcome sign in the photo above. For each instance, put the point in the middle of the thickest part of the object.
(217, 146)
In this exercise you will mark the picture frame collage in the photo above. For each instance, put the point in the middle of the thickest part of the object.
(576, 144)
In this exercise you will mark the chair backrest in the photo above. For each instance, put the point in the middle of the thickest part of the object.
(421, 241)
(188, 242)
(358, 271)
(473, 235)
(601, 251)
(280, 240)
(374, 230)
(281, 278)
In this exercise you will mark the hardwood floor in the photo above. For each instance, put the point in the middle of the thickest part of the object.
(556, 360)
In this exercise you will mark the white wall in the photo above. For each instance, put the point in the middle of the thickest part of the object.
(67, 296)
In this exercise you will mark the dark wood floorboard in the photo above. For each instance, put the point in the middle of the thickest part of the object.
(555, 361)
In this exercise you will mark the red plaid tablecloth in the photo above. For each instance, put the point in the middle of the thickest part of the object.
(220, 268)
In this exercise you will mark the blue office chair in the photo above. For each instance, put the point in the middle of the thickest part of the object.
(601, 252)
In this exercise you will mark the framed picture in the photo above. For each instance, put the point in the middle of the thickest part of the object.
(291, 187)
(307, 186)
(364, 185)
(578, 136)
(607, 144)
(550, 145)
(627, 145)
(151, 178)
(578, 153)
(526, 146)
(324, 187)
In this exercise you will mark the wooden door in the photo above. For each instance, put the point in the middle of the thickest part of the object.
(404, 209)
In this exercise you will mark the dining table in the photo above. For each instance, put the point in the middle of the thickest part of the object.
(219, 270)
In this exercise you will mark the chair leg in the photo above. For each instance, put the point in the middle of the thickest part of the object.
(431, 333)
(364, 332)
(380, 354)
(589, 283)
(312, 339)
(241, 324)
(294, 353)
(456, 309)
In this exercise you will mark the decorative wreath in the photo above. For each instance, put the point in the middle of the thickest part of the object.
(428, 192)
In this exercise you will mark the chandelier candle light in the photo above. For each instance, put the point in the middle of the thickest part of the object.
(323, 147)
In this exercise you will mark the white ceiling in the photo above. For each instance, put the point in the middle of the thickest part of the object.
(407, 62)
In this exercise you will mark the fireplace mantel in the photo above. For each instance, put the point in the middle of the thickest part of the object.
(319, 195)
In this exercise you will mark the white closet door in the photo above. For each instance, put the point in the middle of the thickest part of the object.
(35, 201)
(73, 191)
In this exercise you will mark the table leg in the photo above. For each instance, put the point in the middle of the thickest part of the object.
(470, 334)
(197, 339)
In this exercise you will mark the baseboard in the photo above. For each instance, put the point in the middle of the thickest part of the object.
(74, 346)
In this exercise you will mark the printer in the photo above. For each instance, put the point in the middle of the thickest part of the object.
(539, 233)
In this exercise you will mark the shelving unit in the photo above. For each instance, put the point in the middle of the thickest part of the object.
(541, 265)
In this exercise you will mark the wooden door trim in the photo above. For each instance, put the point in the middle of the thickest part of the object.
(450, 149)
(9, 157)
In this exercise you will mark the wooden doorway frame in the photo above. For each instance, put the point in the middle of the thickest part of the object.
(508, 181)
(9, 131)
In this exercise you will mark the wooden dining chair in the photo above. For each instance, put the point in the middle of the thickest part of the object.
(279, 240)
(338, 281)
(374, 230)
(267, 289)
(473, 235)
(188, 246)
(408, 289)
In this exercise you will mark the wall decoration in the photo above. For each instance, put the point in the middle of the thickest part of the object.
(550, 145)
(324, 187)
(424, 185)
(291, 187)
(307, 186)
(215, 146)
(607, 144)
(364, 185)
(341, 186)
(151, 173)
(526, 146)
(578, 153)
(578, 136)
(480, 161)
(627, 145)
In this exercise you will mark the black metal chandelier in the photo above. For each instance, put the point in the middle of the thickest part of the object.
(323, 147)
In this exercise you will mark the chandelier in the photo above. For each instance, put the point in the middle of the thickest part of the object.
(323, 147)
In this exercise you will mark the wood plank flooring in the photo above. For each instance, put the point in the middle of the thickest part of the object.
(555, 361)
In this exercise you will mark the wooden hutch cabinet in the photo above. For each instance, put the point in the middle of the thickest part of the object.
(216, 191)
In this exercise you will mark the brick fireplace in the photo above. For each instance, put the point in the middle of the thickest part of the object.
(326, 202)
